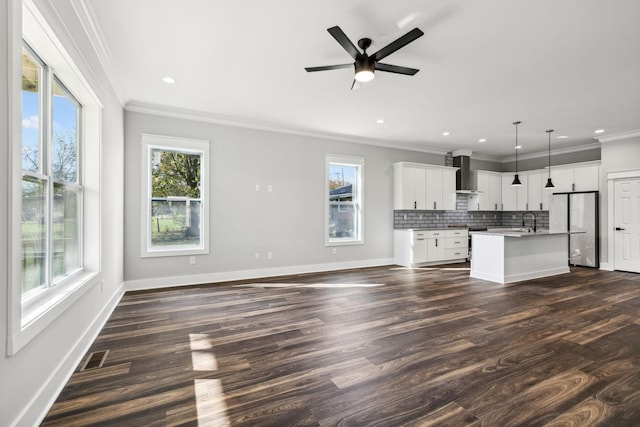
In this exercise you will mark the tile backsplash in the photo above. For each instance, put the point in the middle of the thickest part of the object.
(442, 219)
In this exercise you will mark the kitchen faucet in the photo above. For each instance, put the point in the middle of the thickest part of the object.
(534, 219)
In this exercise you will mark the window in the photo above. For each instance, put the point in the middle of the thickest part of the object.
(51, 214)
(54, 255)
(175, 181)
(344, 196)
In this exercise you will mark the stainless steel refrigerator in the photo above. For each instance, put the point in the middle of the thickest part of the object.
(577, 211)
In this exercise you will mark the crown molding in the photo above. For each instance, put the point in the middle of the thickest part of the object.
(92, 29)
(200, 116)
(618, 136)
(567, 150)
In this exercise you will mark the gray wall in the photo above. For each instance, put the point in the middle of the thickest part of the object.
(31, 379)
(617, 156)
(288, 222)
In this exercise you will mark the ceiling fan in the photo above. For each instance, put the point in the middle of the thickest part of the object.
(365, 65)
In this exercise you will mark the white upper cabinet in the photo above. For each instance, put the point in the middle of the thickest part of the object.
(409, 185)
(489, 185)
(575, 177)
(522, 196)
(535, 184)
(509, 194)
(424, 187)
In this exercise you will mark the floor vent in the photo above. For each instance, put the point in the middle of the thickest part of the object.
(95, 360)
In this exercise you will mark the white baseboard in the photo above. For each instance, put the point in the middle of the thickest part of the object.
(226, 276)
(606, 266)
(37, 409)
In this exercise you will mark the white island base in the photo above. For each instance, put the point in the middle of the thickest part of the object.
(505, 258)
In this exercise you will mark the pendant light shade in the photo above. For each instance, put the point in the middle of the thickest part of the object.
(549, 183)
(516, 179)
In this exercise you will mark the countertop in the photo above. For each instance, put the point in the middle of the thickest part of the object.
(521, 232)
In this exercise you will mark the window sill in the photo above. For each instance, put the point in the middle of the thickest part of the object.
(38, 318)
(344, 243)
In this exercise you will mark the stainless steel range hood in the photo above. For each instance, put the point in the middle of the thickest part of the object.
(462, 161)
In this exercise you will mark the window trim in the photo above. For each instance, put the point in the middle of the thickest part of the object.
(351, 161)
(24, 323)
(172, 143)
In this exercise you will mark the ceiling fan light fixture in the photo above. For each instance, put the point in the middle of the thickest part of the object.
(364, 76)
(364, 69)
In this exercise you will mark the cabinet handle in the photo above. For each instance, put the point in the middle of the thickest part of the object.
(540, 205)
(457, 243)
(478, 205)
(495, 206)
(434, 206)
(573, 187)
(436, 243)
(527, 205)
(415, 205)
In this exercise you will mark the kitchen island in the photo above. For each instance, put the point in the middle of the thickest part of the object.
(506, 255)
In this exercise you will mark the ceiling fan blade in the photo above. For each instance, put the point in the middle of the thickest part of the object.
(396, 69)
(344, 41)
(329, 67)
(399, 43)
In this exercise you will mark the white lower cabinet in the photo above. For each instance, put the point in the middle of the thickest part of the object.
(415, 247)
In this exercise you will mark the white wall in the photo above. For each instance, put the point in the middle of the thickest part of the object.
(617, 156)
(32, 378)
(288, 222)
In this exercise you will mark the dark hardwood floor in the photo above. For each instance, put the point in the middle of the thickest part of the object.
(384, 346)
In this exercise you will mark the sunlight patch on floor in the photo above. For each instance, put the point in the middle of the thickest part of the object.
(210, 405)
(309, 285)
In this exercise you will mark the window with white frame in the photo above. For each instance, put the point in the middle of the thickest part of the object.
(175, 188)
(55, 226)
(344, 200)
(51, 214)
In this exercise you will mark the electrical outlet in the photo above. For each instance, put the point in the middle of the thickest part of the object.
(437, 216)
(257, 256)
(420, 216)
(257, 187)
(270, 188)
(269, 255)
(192, 260)
(335, 251)
(484, 217)
(405, 217)
(513, 217)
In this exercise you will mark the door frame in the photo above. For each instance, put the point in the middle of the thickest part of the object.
(611, 178)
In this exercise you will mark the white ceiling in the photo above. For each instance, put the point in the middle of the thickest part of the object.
(569, 65)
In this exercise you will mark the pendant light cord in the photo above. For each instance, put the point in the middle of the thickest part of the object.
(517, 123)
(549, 133)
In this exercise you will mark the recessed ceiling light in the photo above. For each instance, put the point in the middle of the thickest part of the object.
(380, 121)
(598, 131)
(446, 133)
(169, 80)
(518, 147)
(482, 140)
(562, 137)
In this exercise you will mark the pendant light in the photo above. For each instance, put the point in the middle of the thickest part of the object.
(549, 183)
(516, 179)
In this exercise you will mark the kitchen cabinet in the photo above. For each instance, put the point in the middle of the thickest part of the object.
(489, 197)
(576, 177)
(415, 247)
(424, 187)
(536, 181)
(435, 245)
(509, 194)
(514, 198)
(410, 185)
